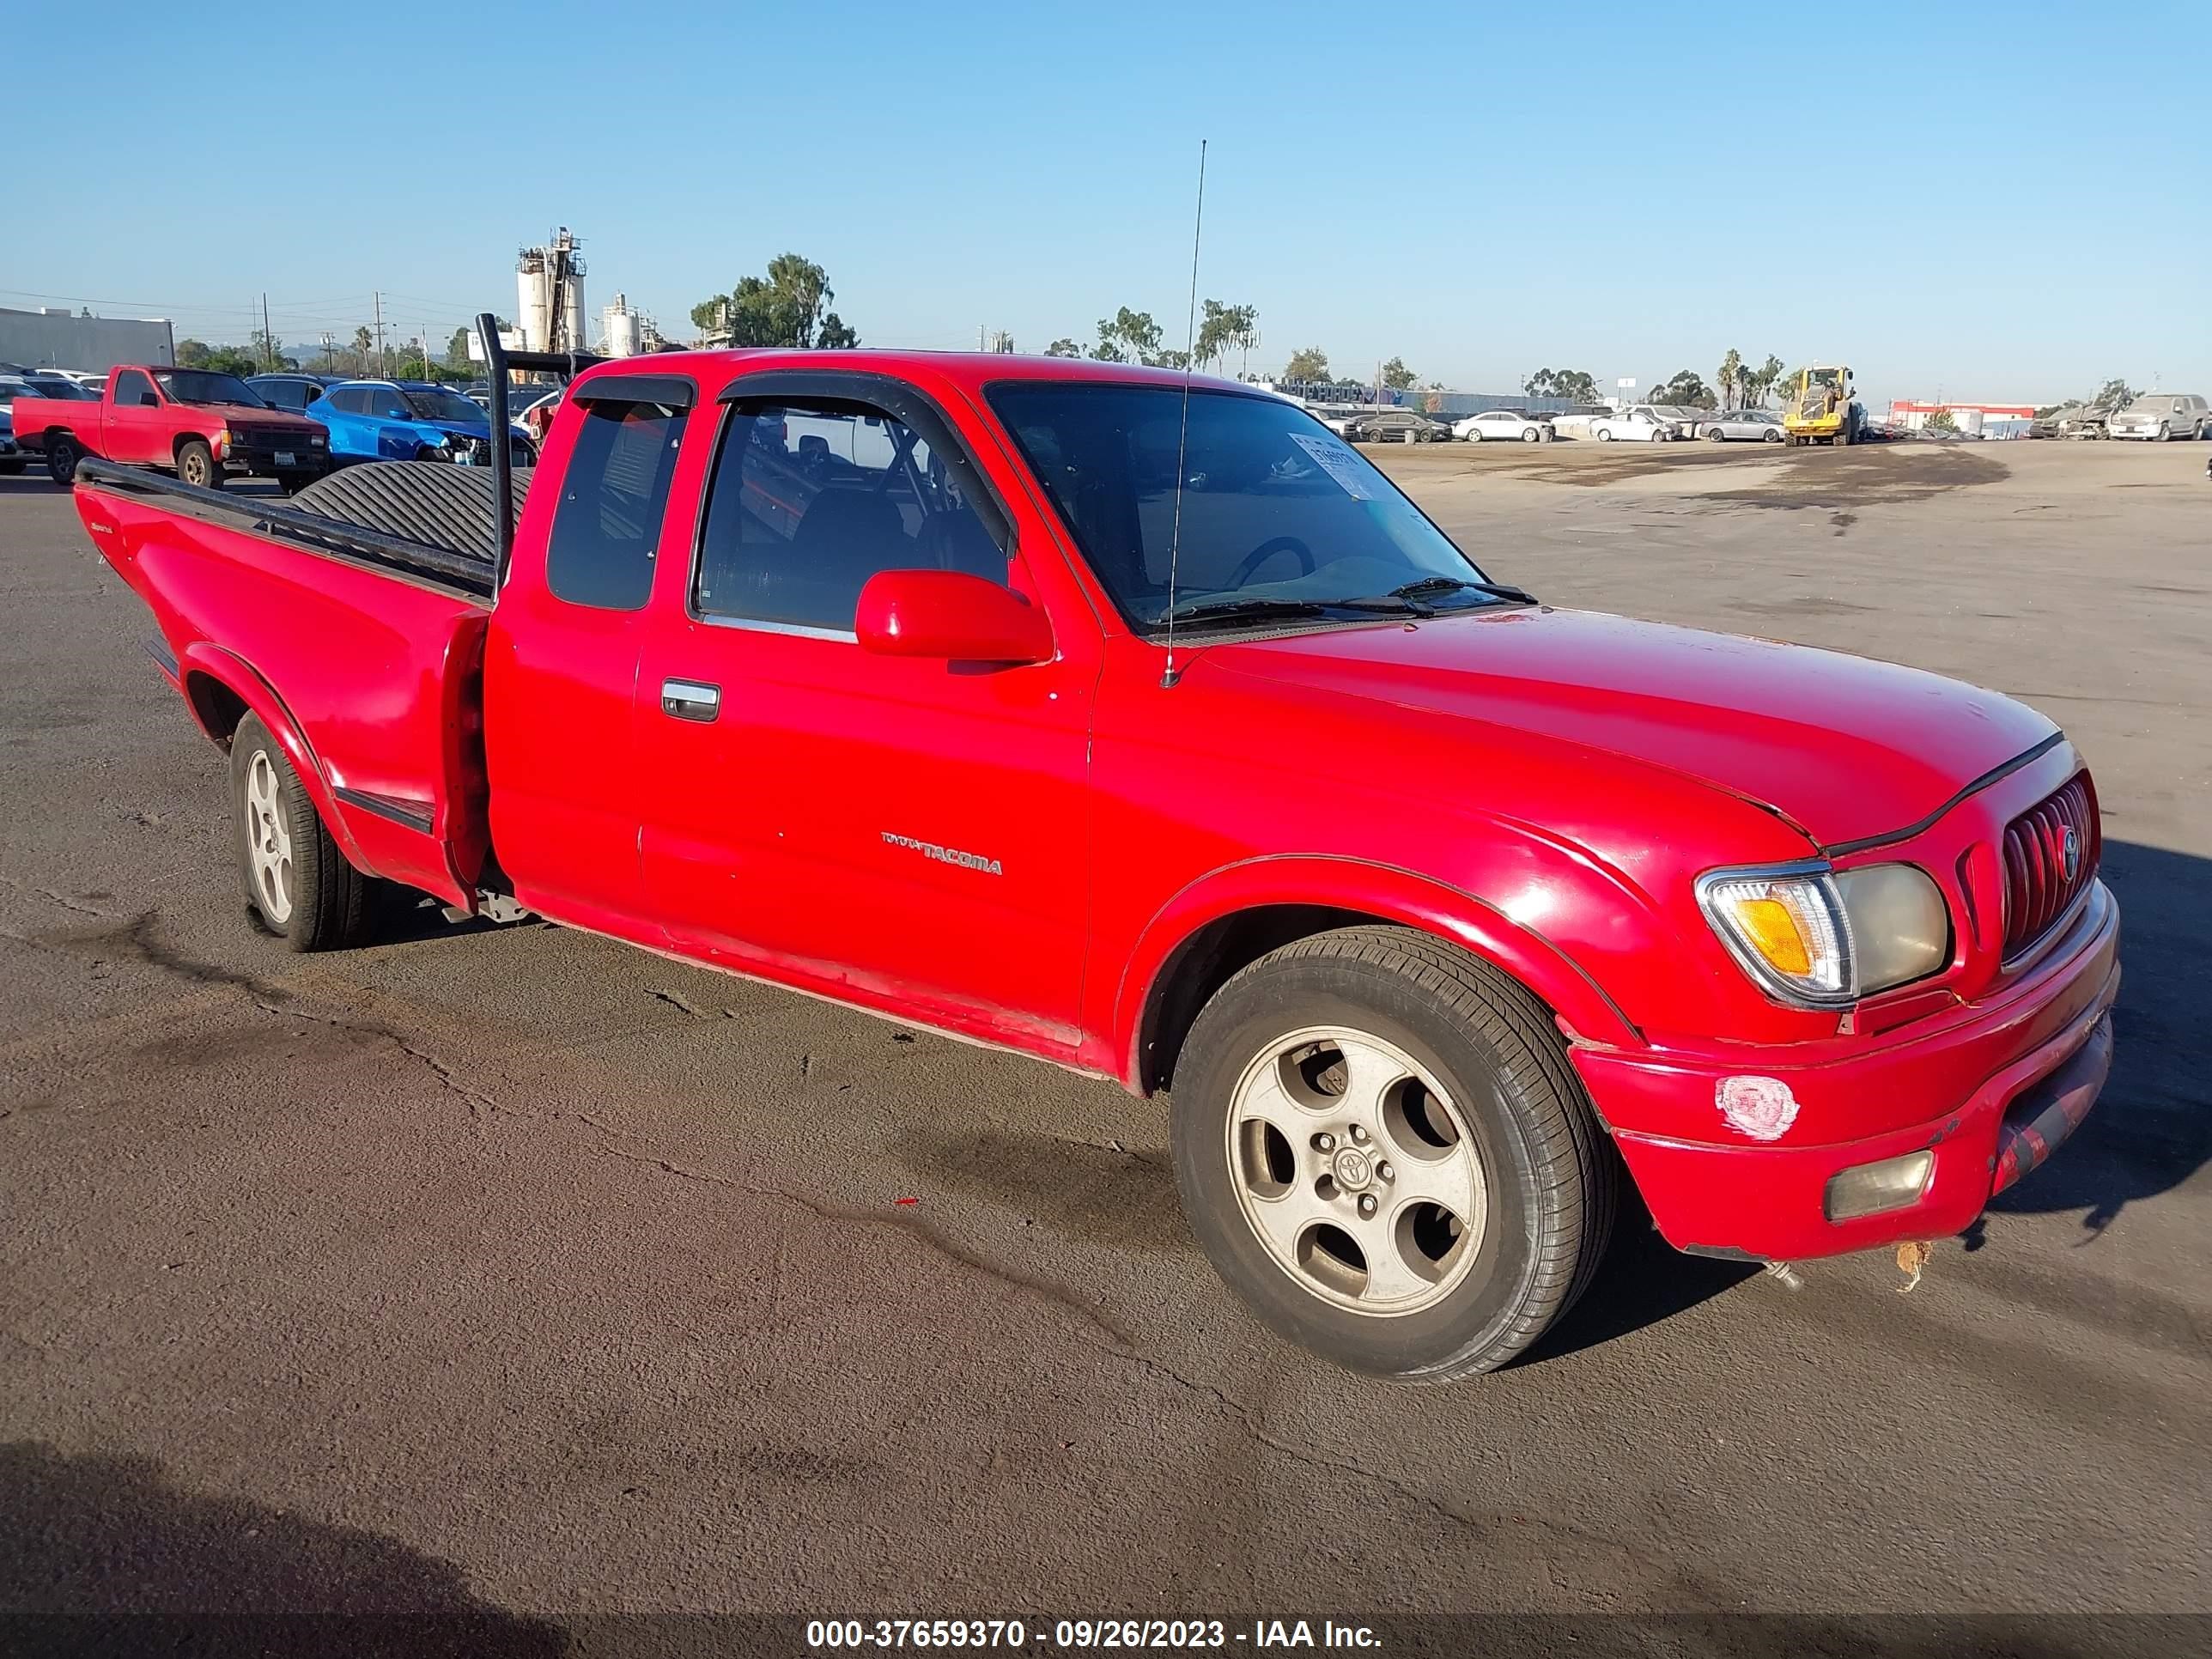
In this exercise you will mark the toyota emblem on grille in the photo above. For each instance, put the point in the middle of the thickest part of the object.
(2069, 853)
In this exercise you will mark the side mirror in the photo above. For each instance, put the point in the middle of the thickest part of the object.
(951, 615)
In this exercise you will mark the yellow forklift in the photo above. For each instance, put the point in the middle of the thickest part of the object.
(1819, 409)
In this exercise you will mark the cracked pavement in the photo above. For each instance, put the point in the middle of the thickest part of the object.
(513, 1269)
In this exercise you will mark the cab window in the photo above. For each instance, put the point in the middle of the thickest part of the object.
(811, 499)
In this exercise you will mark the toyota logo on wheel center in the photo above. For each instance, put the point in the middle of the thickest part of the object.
(1353, 1169)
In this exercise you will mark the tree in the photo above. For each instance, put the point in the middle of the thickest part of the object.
(1759, 382)
(269, 352)
(790, 307)
(1731, 380)
(1572, 385)
(363, 344)
(456, 352)
(1063, 348)
(192, 354)
(1223, 328)
(1308, 363)
(1684, 391)
(1396, 375)
(2113, 394)
(1129, 336)
(1940, 421)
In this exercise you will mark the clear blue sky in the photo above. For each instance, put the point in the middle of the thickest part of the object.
(1934, 192)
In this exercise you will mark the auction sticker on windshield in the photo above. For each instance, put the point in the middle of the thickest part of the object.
(1339, 462)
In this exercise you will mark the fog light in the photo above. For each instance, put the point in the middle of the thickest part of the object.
(1871, 1188)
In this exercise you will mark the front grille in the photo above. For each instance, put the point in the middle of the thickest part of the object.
(272, 437)
(2038, 890)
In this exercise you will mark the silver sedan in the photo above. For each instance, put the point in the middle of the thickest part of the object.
(1743, 425)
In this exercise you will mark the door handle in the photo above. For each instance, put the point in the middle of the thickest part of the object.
(691, 700)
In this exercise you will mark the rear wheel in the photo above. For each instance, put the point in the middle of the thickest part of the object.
(1771, 436)
(195, 464)
(1714, 435)
(1383, 1149)
(297, 881)
(1605, 435)
(62, 457)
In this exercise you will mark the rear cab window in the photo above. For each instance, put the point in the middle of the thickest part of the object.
(614, 495)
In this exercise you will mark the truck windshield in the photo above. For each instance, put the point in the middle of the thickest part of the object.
(442, 406)
(202, 386)
(1274, 507)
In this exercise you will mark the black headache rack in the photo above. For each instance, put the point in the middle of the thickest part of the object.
(500, 361)
(475, 577)
(439, 564)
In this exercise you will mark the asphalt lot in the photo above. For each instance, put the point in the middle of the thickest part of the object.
(509, 1277)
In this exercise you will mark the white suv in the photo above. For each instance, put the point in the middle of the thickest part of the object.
(2162, 415)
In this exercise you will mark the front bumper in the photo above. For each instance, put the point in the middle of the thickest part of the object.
(268, 461)
(2139, 434)
(1990, 1094)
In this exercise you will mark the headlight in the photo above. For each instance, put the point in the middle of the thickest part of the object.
(1810, 936)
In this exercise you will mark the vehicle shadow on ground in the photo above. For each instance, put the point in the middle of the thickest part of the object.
(100, 1555)
(2152, 1128)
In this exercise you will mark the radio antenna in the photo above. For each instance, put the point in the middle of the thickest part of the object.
(1170, 675)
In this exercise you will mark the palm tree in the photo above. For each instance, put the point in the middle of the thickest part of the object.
(1731, 378)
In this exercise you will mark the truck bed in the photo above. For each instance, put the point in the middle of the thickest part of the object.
(361, 653)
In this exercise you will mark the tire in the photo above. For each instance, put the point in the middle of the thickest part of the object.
(62, 457)
(297, 882)
(1715, 435)
(1844, 435)
(2165, 432)
(195, 464)
(1474, 434)
(1468, 1091)
(1771, 436)
(1605, 435)
(1532, 434)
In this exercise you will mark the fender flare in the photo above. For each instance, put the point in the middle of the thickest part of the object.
(1386, 891)
(243, 681)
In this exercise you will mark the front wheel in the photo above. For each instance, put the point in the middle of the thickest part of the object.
(1714, 435)
(1604, 434)
(195, 464)
(62, 457)
(298, 882)
(1771, 436)
(1383, 1148)
(2165, 432)
(1532, 434)
(1473, 435)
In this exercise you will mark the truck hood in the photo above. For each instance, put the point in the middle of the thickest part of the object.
(248, 415)
(1844, 747)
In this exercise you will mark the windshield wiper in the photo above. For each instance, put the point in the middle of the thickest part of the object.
(1242, 610)
(1455, 584)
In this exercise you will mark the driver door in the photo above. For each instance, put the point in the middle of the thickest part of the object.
(912, 830)
(136, 434)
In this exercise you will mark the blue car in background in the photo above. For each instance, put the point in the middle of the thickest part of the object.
(410, 421)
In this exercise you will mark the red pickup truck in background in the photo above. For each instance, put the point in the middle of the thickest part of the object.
(1145, 728)
(197, 422)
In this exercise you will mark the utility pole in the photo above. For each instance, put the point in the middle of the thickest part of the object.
(329, 349)
(268, 340)
(376, 299)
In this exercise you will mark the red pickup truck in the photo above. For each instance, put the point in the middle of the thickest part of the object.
(1440, 911)
(199, 423)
